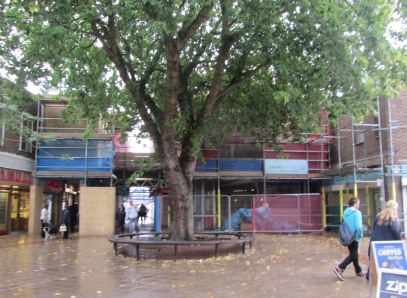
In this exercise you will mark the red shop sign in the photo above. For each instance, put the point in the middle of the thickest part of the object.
(8, 175)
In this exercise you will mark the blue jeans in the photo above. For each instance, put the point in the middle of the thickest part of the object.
(352, 258)
(132, 225)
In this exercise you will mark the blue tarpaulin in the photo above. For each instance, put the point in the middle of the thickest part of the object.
(262, 218)
(75, 156)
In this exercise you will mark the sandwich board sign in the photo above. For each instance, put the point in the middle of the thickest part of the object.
(392, 283)
(388, 255)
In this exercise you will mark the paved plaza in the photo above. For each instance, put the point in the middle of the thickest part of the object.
(299, 265)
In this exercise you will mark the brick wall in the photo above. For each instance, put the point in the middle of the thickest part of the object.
(11, 145)
(11, 142)
(398, 112)
(367, 153)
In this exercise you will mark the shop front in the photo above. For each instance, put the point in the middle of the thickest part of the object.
(14, 200)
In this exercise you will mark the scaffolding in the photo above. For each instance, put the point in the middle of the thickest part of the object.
(365, 159)
(66, 154)
(363, 152)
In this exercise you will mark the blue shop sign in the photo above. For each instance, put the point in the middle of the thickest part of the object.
(392, 283)
(390, 254)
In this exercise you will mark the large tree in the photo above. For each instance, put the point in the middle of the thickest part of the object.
(189, 70)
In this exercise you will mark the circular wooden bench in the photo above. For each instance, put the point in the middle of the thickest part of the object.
(160, 239)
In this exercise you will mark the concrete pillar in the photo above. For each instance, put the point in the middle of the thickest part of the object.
(97, 209)
(36, 204)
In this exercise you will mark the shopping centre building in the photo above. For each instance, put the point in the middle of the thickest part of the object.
(306, 186)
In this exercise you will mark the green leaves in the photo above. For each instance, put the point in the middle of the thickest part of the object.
(203, 69)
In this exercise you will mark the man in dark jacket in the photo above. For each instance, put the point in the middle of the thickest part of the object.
(73, 216)
(65, 221)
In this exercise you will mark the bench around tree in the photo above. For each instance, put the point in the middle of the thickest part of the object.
(160, 239)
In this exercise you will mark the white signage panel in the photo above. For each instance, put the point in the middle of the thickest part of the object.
(286, 166)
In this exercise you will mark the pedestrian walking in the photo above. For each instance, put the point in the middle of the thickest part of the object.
(120, 218)
(386, 227)
(73, 214)
(44, 217)
(132, 216)
(142, 214)
(353, 217)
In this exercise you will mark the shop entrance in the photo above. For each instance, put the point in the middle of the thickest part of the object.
(3, 211)
(14, 208)
(20, 209)
(71, 199)
(61, 193)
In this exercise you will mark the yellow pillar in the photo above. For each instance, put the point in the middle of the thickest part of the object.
(219, 213)
(355, 190)
(213, 204)
(323, 208)
(169, 216)
(341, 201)
(368, 204)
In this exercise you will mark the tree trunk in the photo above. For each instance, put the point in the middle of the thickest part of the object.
(178, 175)
(182, 207)
(182, 212)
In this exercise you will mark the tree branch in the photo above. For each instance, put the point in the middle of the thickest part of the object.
(226, 43)
(107, 36)
(243, 78)
(186, 33)
(158, 114)
(185, 97)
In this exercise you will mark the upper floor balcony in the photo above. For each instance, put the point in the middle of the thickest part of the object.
(249, 160)
(51, 122)
(104, 151)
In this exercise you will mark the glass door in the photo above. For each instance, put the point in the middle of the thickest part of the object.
(20, 207)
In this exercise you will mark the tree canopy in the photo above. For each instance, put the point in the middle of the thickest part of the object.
(194, 70)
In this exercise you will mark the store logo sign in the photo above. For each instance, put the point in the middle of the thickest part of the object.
(8, 175)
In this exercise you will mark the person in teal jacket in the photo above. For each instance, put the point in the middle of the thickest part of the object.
(353, 217)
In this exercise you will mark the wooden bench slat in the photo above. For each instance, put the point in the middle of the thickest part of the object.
(160, 240)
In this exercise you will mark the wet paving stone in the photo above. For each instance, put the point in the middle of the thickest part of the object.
(277, 266)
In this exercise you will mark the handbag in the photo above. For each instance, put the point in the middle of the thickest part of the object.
(62, 228)
(346, 235)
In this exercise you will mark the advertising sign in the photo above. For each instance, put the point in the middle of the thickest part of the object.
(392, 283)
(286, 166)
(389, 255)
(9, 175)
